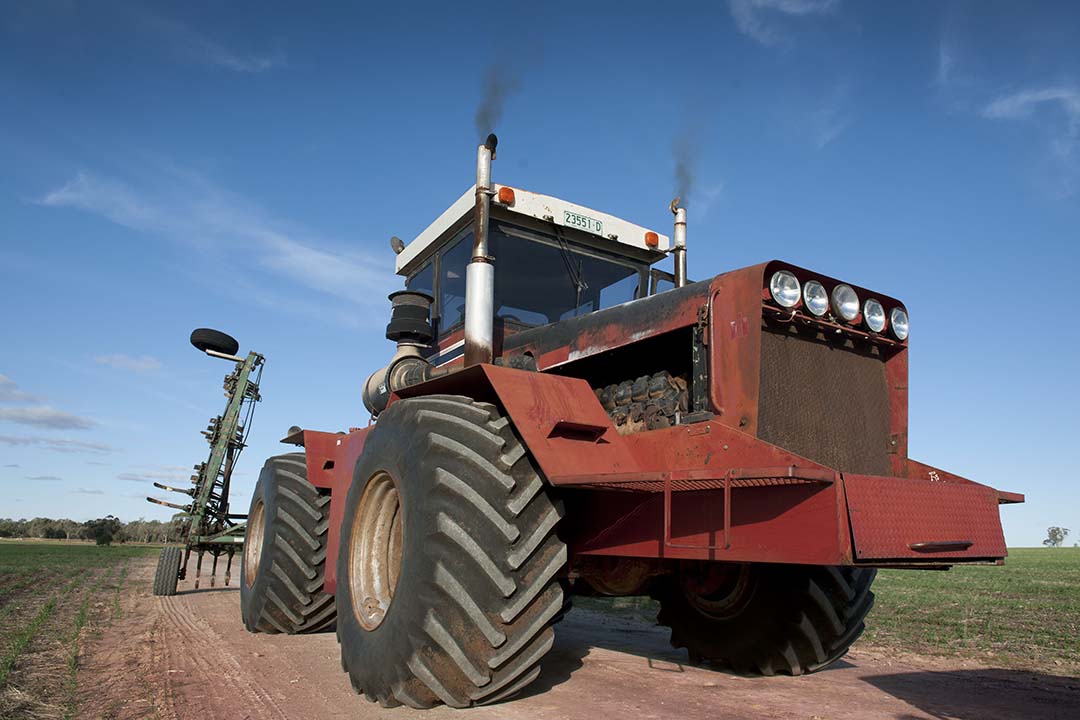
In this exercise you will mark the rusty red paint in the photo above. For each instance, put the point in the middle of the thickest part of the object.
(711, 490)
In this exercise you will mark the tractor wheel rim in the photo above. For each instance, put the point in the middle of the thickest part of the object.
(720, 591)
(375, 550)
(254, 542)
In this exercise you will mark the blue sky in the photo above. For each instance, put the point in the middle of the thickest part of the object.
(242, 166)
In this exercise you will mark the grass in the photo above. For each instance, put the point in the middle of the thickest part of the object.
(51, 594)
(1026, 613)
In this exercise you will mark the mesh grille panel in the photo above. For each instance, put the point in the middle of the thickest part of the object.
(825, 402)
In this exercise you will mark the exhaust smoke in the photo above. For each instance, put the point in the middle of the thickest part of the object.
(498, 85)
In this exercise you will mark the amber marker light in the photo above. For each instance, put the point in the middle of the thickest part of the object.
(652, 240)
(506, 195)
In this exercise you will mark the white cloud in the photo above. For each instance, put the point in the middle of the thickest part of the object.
(151, 476)
(141, 364)
(10, 392)
(1056, 112)
(197, 47)
(55, 444)
(757, 18)
(193, 210)
(46, 417)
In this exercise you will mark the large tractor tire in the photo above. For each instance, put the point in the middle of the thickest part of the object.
(765, 619)
(284, 561)
(168, 571)
(448, 576)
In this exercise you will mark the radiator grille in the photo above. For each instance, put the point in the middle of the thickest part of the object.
(824, 401)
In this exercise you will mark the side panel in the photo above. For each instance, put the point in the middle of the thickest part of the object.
(331, 458)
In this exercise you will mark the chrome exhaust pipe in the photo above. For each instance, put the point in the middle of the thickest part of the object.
(480, 273)
(679, 243)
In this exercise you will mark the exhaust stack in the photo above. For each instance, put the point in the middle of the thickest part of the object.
(480, 273)
(679, 243)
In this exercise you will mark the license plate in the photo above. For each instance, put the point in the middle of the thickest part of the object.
(584, 222)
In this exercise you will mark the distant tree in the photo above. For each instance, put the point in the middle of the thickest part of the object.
(1055, 536)
(103, 530)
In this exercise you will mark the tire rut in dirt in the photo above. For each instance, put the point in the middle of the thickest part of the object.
(168, 571)
(284, 562)
(790, 619)
(478, 590)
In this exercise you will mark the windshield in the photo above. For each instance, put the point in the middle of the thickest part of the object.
(539, 279)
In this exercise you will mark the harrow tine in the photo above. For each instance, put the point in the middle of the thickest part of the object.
(172, 489)
(213, 571)
(182, 508)
(198, 568)
(228, 567)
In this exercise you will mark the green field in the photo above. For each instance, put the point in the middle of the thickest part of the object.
(53, 596)
(1025, 614)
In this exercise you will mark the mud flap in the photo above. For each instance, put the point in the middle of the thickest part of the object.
(921, 521)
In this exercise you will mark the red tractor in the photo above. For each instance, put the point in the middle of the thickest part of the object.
(560, 419)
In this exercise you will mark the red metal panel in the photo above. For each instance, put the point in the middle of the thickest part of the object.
(892, 517)
(331, 459)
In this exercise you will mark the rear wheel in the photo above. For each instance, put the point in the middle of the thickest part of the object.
(765, 619)
(448, 572)
(168, 570)
(284, 561)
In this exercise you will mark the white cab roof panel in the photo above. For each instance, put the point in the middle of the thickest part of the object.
(544, 208)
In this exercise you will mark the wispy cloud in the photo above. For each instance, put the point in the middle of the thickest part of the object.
(763, 20)
(946, 63)
(84, 491)
(194, 46)
(193, 210)
(1055, 110)
(13, 465)
(142, 364)
(151, 476)
(44, 478)
(55, 444)
(10, 392)
(45, 417)
(831, 118)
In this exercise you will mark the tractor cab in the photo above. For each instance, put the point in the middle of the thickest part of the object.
(555, 260)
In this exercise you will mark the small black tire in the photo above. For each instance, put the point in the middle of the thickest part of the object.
(768, 619)
(283, 565)
(168, 571)
(462, 611)
(208, 339)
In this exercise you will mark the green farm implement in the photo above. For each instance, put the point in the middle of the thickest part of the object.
(208, 526)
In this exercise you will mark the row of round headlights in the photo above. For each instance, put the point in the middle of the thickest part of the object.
(844, 301)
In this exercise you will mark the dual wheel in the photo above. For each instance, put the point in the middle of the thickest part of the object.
(448, 571)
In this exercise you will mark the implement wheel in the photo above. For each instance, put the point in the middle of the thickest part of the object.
(168, 570)
(284, 559)
(765, 619)
(447, 579)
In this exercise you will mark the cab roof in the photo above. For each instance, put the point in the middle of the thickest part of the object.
(576, 222)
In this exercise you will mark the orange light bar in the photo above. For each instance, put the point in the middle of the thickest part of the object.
(506, 195)
(652, 239)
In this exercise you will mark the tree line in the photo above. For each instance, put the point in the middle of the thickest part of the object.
(102, 530)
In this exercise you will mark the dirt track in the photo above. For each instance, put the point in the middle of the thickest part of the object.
(189, 657)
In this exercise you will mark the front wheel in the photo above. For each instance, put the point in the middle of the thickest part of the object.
(765, 619)
(284, 561)
(448, 575)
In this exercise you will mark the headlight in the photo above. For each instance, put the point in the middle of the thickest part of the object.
(898, 321)
(874, 314)
(785, 289)
(815, 297)
(845, 302)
